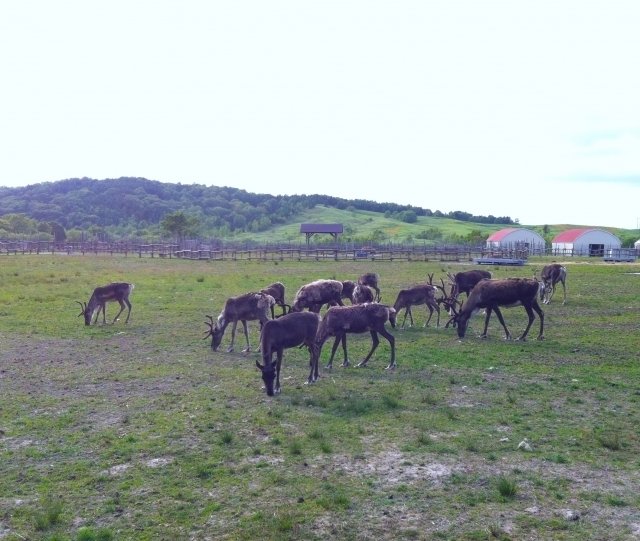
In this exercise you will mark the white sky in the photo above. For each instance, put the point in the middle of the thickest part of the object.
(529, 109)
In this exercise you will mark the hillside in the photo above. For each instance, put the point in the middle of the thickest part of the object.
(142, 208)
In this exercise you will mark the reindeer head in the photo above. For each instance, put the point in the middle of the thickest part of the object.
(392, 316)
(86, 313)
(215, 332)
(268, 376)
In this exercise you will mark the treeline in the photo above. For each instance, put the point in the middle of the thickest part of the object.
(137, 207)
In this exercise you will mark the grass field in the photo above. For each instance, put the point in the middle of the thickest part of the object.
(142, 432)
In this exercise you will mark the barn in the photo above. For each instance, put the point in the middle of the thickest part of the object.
(517, 238)
(587, 242)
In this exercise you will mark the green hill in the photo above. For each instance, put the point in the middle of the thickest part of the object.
(146, 209)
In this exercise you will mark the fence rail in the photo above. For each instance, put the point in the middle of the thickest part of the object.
(194, 250)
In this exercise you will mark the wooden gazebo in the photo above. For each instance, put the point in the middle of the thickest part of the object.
(330, 229)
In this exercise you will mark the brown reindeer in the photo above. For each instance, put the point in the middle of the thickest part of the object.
(315, 294)
(465, 281)
(371, 279)
(415, 296)
(248, 307)
(115, 292)
(276, 290)
(551, 275)
(359, 318)
(491, 294)
(289, 331)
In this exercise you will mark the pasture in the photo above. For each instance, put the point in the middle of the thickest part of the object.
(141, 432)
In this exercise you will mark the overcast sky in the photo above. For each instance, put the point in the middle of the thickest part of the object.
(529, 109)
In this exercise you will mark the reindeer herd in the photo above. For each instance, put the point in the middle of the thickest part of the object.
(296, 327)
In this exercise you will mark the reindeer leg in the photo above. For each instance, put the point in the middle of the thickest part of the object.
(375, 341)
(405, 316)
(392, 343)
(122, 305)
(486, 323)
(537, 308)
(333, 351)
(129, 312)
(345, 362)
(430, 315)
(523, 336)
(277, 389)
(564, 293)
(233, 336)
(410, 315)
(246, 336)
(504, 325)
(314, 359)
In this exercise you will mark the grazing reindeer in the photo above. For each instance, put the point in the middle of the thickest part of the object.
(464, 282)
(289, 331)
(114, 292)
(248, 307)
(415, 296)
(276, 290)
(359, 318)
(491, 294)
(362, 294)
(315, 294)
(371, 279)
(551, 275)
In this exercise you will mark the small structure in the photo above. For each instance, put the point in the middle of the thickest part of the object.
(585, 242)
(517, 239)
(636, 245)
(312, 229)
(621, 255)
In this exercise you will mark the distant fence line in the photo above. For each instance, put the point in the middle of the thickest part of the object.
(195, 250)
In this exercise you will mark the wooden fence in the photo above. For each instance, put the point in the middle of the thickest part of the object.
(275, 253)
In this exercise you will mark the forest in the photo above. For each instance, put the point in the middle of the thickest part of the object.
(138, 207)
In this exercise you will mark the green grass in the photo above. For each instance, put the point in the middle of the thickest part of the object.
(142, 432)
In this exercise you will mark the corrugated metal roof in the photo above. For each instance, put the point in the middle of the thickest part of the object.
(570, 235)
(499, 235)
(320, 228)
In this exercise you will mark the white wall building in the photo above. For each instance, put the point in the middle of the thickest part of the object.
(517, 238)
(586, 242)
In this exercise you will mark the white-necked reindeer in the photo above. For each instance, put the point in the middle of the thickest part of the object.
(289, 331)
(491, 294)
(115, 292)
(248, 307)
(551, 275)
(359, 318)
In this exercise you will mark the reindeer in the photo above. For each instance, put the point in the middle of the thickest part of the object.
(276, 290)
(464, 282)
(289, 331)
(491, 294)
(315, 294)
(114, 292)
(348, 287)
(415, 296)
(551, 275)
(371, 279)
(359, 318)
(363, 294)
(248, 307)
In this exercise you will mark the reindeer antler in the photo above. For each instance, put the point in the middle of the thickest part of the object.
(211, 326)
(84, 308)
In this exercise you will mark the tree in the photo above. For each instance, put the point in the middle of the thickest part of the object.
(179, 224)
